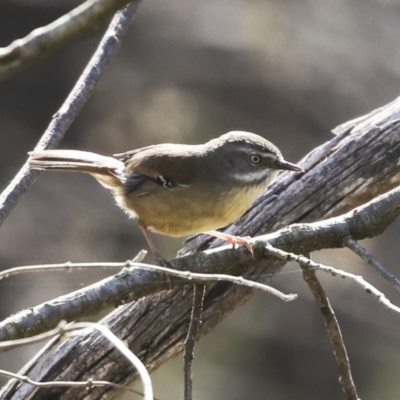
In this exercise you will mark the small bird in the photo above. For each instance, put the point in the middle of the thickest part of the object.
(179, 189)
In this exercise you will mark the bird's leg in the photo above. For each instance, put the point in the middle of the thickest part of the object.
(159, 259)
(233, 240)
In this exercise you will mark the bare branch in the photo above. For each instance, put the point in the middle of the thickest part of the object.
(62, 120)
(334, 333)
(365, 255)
(82, 21)
(203, 278)
(116, 290)
(133, 265)
(12, 344)
(122, 348)
(59, 267)
(365, 221)
(72, 328)
(85, 384)
(69, 266)
(194, 327)
(337, 180)
(305, 262)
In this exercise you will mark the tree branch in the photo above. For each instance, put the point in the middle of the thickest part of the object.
(337, 179)
(62, 120)
(40, 43)
(193, 331)
(363, 222)
(365, 255)
(334, 333)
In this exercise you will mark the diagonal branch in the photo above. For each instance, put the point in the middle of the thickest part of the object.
(365, 221)
(82, 21)
(365, 255)
(338, 178)
(62, 120)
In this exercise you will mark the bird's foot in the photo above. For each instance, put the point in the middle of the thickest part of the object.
(233, 240)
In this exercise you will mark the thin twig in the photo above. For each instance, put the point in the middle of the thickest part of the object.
(123, 348)
(78, 23)
(62, 120)
(334, 333)
(86, 384)
(12, 344)
(74, 329)
(307, 263)
(68, 266)
(194, 327)
(187, 275)
(365, 255)
(60, 267)
(201, 277)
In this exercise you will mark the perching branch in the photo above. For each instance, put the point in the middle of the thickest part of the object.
(365, 221)
(337, 179)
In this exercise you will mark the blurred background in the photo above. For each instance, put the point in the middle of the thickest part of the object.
(189, 71)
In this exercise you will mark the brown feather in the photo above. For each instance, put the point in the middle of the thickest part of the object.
(104, 169)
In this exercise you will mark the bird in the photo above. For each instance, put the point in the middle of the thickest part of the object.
(180, 189)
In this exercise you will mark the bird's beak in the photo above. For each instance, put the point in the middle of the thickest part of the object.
(288, 166)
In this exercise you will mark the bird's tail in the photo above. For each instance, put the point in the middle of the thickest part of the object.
(105, 169)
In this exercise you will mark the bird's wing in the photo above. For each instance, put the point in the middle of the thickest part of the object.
(158, 166)
(134, 181)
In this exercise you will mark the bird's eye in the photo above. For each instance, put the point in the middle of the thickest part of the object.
(255, 159)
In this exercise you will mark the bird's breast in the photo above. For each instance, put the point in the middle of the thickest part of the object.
(182, 211)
